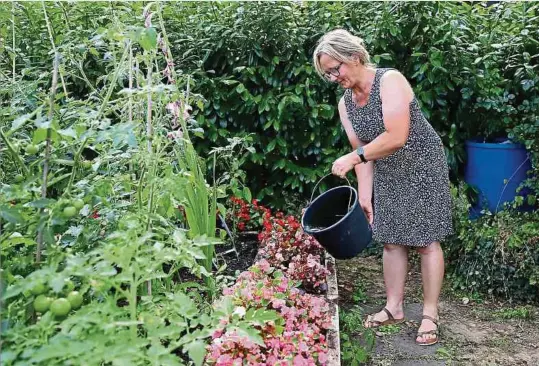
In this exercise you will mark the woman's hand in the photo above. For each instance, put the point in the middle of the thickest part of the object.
(367, 208)
(344, 164)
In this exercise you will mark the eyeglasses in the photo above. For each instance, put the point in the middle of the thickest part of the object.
(334, 71)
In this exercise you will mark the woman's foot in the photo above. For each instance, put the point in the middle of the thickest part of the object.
(384, 317)
(427, 333)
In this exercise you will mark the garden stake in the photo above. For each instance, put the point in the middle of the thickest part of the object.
(13, 47)
(47, 152)
(49, 29)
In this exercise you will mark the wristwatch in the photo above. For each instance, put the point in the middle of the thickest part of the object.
(361, 153)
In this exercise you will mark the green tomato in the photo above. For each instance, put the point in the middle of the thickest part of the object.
(16, 147)
(87, 164)
(38, 289)
(69, 285)
(31, 149)
(75, 299)
(60, 307)
(70, 211)
(78, 203)
(19, 178)
(42, 303)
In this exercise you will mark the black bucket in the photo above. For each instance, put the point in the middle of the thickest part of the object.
(337, 221)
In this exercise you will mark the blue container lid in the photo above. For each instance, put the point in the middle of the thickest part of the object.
(502, 143)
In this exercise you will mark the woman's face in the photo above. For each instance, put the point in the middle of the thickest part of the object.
(336, 71)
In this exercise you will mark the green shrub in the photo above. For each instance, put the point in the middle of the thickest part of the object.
(495, 254)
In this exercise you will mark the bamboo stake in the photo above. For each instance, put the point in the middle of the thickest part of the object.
(47, 153)
(130, 104)
(139, 114)
(149, 132)
(49, 29)
(13, 30)
(149, 109)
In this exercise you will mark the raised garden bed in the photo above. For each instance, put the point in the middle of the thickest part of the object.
(270, 317)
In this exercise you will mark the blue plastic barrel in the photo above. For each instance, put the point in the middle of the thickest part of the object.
(496, 170)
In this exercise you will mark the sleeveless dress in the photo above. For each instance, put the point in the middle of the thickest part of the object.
(412, 201)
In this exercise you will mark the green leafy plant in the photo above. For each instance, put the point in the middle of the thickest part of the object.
(519, 312)
(359, 294)
(495, 254)
(389, 329)
(94, 247)
(357, 342)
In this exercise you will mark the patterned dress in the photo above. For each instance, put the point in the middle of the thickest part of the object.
(412, 201)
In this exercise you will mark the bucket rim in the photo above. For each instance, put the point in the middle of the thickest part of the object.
(338, 222)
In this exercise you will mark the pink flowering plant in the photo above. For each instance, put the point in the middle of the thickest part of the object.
(267, 320)
(287, 247)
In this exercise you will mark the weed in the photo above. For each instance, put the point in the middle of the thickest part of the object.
(445, 353)
(389, 329)
(520, 312)
(359, 294)
(357, 342)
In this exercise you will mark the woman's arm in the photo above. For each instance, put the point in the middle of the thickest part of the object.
(396, 95)
(364, 172)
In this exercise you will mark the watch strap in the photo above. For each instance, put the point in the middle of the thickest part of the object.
(360, 153)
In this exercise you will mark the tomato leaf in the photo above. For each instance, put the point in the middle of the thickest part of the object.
(148, 39)
(11, 214)
(196, 351)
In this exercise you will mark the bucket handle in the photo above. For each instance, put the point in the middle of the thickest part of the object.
(324, 177)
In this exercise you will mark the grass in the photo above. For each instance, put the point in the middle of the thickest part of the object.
(360, 294)
(357, 342)
(389, 329)
(446, 353)
(519, 312)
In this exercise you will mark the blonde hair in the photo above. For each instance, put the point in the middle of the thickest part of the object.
(342, 46)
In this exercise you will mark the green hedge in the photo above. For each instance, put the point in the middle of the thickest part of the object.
(473, 69)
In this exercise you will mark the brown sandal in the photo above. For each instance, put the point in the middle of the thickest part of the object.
(376, 323)
(431, 341)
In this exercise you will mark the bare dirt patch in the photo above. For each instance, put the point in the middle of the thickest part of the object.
(472, 332)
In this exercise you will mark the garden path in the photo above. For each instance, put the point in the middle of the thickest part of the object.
(473, 331)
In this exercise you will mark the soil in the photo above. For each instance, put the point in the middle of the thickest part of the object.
(246, 245)
(472, 330)
(237, 261)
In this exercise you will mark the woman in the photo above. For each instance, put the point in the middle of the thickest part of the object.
(399, 157)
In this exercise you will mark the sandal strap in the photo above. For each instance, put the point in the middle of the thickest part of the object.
(435, 321)
(433, 331)
(389, 315)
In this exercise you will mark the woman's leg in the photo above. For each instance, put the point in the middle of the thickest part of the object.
(432, 273)
(395, 259)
